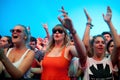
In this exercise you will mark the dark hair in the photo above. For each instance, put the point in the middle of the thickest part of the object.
(108, 44)
(106, 33)
(0, 36)
(33, 39)
(94, 37)
(10, 41)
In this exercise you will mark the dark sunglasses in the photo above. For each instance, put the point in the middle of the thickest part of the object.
(59, 31)
(17, 30)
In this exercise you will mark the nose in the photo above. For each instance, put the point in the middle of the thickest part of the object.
(101, 44)
(57, 31)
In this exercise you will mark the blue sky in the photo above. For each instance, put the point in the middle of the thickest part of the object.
(35, 12)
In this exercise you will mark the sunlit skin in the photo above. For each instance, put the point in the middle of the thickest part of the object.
(19, 39)
(20, 36)
(58, 37)
(99, 48)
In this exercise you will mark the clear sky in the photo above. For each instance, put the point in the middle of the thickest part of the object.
(35, 12)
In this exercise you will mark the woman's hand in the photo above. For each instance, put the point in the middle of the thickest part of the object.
(87, 16)
(66, 21)
(45, 26)
(108, 16)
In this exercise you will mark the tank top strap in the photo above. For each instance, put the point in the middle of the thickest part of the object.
(25, 53)
(8, 52)
(63, 51)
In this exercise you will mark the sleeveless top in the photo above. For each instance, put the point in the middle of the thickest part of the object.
(17, 63)
(55, 68)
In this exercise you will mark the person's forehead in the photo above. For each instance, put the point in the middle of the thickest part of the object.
(19, 27)
(99, 38)
(4, 38)
(58, 27)
(106, 34)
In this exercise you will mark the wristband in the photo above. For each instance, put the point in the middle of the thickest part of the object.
(73, 32)
(89, 24)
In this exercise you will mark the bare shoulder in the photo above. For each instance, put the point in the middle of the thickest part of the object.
(31, 53)
(72, 50)
(71, 47)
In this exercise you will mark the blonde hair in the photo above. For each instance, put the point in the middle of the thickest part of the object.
(51, 43)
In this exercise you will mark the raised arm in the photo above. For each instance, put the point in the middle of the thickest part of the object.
(116, 39)
(86, 37)
(67, 23)
(46, 30)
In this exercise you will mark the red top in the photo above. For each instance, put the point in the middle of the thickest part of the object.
(55, 68)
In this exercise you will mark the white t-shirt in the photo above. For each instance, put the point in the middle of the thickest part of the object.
(98, 70)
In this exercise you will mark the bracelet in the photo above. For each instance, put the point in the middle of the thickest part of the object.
(88, 23)
(73, 32)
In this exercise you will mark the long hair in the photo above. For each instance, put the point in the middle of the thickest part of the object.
(51, 43)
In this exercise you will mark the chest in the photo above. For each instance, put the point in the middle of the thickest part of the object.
(15, 56)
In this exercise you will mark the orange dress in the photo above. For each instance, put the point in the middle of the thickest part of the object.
(55, 68)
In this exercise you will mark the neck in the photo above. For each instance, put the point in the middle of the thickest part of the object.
(20, 46)
(58, 44)
(98, 57)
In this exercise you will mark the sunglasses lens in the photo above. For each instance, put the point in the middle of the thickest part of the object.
(59, 31)
(17, 30)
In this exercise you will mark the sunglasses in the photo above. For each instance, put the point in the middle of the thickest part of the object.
(59, 31)
(17, 30)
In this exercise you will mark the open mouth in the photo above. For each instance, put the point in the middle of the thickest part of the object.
(15, 37)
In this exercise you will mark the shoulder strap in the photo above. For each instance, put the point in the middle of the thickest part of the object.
(25, 53)
(63, 51)
(8, 52)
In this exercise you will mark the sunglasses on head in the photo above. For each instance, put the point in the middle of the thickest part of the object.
(15, 30)
(57, 30)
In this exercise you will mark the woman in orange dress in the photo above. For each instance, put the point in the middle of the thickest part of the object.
(59, 52)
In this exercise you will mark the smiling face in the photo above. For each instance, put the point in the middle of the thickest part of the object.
(18, 34)
(99, 46)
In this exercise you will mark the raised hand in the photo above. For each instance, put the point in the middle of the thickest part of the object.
(108, 15)
(87, 16)
(66, 21)
(45, 26)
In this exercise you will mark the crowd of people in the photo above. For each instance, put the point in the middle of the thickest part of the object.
(61, 55)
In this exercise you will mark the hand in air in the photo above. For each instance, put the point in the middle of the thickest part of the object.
(66, 21)
(108, 15)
